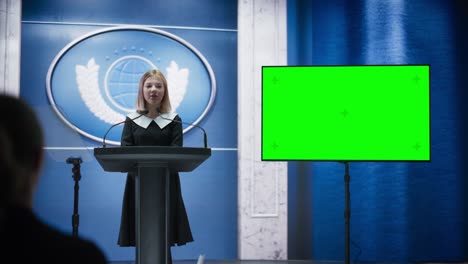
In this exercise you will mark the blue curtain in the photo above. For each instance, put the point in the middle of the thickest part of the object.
(400, 212)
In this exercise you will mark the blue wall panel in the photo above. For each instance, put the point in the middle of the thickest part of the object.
(181, 13)
(210, 192)
(400, 212)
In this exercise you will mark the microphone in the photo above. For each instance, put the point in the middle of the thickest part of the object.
(142, 113)
(204, 132)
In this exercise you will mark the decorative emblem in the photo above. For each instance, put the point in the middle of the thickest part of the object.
(93, 82)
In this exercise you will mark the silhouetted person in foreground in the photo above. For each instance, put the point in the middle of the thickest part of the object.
(24, 238)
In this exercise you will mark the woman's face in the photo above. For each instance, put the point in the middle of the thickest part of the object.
(153, 91)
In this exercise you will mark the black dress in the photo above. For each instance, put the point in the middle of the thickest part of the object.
(135, 134)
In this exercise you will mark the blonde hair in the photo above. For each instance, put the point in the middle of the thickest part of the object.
(165, 102)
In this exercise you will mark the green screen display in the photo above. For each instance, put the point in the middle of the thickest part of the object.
(346, 113)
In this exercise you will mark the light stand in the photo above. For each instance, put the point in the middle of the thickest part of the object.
(76, 176)
(347, 212)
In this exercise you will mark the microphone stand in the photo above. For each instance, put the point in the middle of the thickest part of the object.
(76, 177)
(141, 113)
(205, 140)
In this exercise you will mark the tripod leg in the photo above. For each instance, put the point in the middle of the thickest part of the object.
(347, 213)
(76, 216)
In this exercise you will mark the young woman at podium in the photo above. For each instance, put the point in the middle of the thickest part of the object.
(150, 129)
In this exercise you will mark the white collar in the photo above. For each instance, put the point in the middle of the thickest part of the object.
(145, 121)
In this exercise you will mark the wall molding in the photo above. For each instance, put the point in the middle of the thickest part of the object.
(262, 186)
(10, 46)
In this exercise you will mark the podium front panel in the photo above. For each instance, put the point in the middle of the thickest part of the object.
(126, 159)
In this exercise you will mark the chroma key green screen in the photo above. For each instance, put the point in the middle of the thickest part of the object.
(346, 113)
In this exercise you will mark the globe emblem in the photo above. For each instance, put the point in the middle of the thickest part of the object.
(108, 85)
(121, 81)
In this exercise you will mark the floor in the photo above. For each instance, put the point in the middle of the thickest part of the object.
(209, 261)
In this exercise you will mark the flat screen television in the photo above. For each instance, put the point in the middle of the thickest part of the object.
(346, 113)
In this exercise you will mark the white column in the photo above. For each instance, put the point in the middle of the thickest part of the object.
(10, 46)
(262, 186)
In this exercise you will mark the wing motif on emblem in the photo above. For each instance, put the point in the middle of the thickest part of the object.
(88, 86)
(177, 80)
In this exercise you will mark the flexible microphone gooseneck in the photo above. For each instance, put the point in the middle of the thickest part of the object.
(205, 140)
(142, 113)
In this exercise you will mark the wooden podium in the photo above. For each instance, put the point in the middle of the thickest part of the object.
(151, 165)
